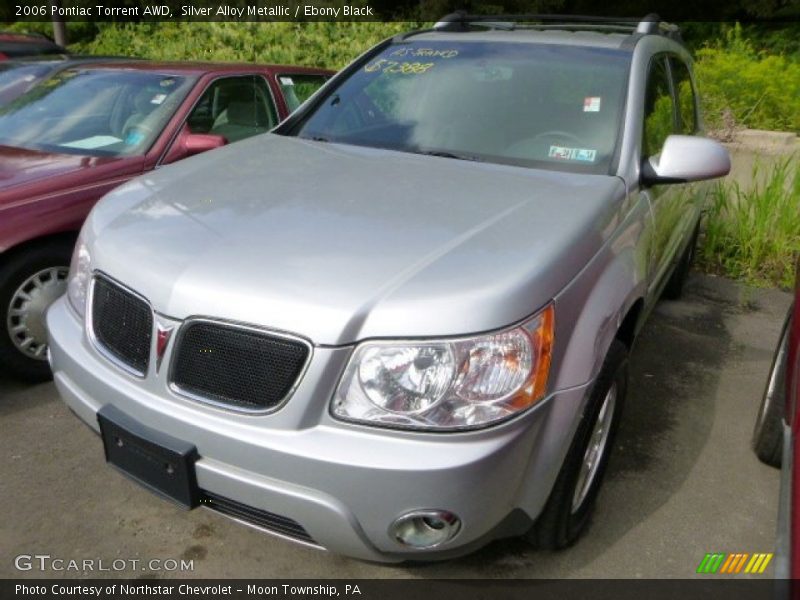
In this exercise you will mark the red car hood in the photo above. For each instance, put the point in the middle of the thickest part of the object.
(19, 166)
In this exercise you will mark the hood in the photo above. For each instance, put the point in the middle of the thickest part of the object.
(341, 243)
(19, 165)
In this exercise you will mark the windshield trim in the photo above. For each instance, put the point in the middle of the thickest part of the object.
(293, 124)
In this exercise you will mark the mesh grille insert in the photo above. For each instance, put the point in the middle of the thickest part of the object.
(256, 516)
(122, 324)
(243, 368)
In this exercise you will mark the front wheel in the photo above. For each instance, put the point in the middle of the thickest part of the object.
(566, 514)
(29, 283)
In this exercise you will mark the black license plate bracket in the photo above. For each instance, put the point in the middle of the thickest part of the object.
(159, 462)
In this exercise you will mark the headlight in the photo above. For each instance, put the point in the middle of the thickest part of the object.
(80, 274)
(448, 384)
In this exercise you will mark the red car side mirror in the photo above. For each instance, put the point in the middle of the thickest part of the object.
(195, 143)
(189, 144)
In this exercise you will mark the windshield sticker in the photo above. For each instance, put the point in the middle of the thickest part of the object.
(167, 82)
(134, 138)
(158, 99)
(591, 104)
(564, 153)
(383, 65)
(90, 143)
(286, 81)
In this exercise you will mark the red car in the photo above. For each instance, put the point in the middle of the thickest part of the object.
(15, 45)
(775, 439)
(86, 130)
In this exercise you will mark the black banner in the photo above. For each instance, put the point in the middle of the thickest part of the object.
(380, 10)
(406, 589)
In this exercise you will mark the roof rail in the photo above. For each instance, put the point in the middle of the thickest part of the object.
(651, 24)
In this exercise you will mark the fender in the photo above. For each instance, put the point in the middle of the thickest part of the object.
(590, 310)
(588, 315)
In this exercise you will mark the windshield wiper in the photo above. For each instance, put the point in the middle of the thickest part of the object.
(448, 154)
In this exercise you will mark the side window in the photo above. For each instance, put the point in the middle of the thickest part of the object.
(659, 108)
(684, 92)
(235, 108)
(296, 89)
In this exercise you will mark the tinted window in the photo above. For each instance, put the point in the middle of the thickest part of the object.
(685, 95)
(536, 105)
(235, 108)
(100, 112)
(659, 109)
(296, 89)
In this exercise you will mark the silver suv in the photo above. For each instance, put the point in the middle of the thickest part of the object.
(398, 326)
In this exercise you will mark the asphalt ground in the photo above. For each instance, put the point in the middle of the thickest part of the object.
(682, 480)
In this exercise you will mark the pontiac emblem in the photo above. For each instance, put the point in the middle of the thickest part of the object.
(163, 334)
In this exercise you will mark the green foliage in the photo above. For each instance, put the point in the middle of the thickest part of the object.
(756, 89)
(331, 45)
(754, 234)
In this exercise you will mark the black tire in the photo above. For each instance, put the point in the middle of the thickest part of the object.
(14, 271)
(768, 431)
(560, 525)
(674, 288)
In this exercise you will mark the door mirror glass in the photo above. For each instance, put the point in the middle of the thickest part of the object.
(686, 158)
(188, 144)
(195, 143)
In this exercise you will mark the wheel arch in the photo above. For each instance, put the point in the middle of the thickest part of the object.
(67, 237)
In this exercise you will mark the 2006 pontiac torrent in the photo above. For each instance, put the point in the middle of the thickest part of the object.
(398, 326)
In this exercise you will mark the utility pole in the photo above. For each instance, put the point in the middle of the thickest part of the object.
(59, 27)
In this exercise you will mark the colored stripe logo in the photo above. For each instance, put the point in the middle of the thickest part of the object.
(718, 563)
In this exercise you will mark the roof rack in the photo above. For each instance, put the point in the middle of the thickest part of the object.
(651, 24)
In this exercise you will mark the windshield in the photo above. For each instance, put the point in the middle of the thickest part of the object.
(534, 105)
(96, 112)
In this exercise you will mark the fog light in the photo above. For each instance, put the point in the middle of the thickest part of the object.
(425, 528)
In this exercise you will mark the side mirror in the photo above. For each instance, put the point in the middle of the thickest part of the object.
(188, 144)
(686, 158)
(195, 143)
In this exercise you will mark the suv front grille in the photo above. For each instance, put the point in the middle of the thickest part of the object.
(237, 366)
(122, 324)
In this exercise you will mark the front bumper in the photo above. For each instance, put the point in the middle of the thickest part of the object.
(343, 483)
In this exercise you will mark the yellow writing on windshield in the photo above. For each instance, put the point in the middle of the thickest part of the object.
(384, 65)
(425, 52)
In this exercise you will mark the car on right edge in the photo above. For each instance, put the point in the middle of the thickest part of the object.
(398, 325)
(775, 440)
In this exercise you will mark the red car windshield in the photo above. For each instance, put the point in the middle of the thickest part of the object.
(95, 112)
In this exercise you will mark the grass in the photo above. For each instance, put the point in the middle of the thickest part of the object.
(754, 234)
(747, 87)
